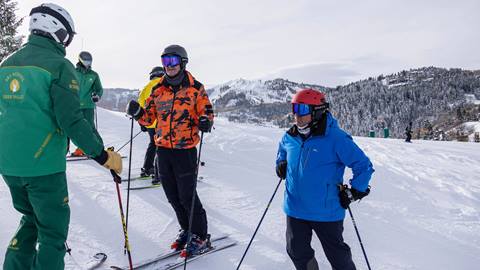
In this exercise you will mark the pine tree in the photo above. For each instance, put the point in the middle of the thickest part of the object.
(9, 40)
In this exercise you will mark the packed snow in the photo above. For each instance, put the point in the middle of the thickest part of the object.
(423, 211)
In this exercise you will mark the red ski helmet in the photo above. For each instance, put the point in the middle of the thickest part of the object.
(309, 96)
(309, 101)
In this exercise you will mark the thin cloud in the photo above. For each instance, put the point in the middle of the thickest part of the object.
(339, 41)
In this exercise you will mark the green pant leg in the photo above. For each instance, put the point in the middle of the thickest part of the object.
(21, 250)
(49, 198)
(90, 116)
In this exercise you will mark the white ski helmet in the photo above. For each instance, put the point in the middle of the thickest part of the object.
(54, 21)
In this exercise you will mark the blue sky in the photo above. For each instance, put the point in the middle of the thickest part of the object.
(322, 42)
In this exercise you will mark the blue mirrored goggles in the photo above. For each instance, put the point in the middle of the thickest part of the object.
(171, 60)
(301, 109)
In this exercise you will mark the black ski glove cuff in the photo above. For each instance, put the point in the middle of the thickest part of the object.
(95, 98)
(349, 195)
(281, 169)
(134, 109)
(204, 124)
(102, 158)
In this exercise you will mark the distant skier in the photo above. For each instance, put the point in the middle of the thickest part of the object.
(91, 90)
(148, 165)
(408, 132)
(181, 108)
(312, 156)
(39, 108)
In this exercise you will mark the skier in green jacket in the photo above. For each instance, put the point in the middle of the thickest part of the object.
(39, 108)
(90, 90)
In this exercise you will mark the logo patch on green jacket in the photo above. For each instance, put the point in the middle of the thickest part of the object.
(74, 85)
(14, 81)
(14, 85)
(13, 244)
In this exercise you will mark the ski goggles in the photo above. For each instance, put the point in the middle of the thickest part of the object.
(301, 109)
(86, 63)
(171, 60)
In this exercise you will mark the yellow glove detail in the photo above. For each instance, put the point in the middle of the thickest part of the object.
(114, 161)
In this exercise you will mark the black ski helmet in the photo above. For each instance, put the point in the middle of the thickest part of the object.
(177, 50)
(156, 72)
(86, 59)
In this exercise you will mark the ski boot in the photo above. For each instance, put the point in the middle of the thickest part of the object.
(156, 181)
(78, 153)
(181, 240)
(147, 173)
(197, 246)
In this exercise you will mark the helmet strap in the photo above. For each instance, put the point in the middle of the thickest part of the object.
(42, 33)
(319, 125)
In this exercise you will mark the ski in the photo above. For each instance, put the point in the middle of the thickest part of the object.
(125, 179)
(164, 256)
(214, 248)
(97, 261)
(145, 187)
(150, 186)
(74, 158)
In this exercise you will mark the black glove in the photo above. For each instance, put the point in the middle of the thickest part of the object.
(204, 124)
(95, 97)
(134, 109)
(348, 195)
(143, 128)
(281, 169)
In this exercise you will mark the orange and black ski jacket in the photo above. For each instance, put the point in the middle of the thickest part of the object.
(177, 113)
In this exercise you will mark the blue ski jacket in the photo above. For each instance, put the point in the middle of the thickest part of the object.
(315, 168)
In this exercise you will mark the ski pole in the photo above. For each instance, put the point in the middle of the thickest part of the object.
(96, 119)
(129, 172)
(190, 221)
(259, 223)
(125, 144)
(118, 180)
(359, 239)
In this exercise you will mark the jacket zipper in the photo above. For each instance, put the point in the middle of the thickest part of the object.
(300, 158)
(307, 158)
(192, 122)
(171, 118)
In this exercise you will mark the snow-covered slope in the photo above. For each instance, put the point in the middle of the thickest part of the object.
(423, 212)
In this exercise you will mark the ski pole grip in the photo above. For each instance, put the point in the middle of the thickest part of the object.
(116, 177)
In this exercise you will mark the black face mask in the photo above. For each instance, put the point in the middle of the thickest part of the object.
(177, 79)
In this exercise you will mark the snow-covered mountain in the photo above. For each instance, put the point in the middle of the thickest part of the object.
(437, 101)
(423, 211)
(256, 92)
(117, 98)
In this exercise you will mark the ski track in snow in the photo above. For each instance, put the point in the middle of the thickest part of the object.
(422, 212)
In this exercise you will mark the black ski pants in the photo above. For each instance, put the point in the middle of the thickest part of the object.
(177, 172)
(299, 237)
(150, 153)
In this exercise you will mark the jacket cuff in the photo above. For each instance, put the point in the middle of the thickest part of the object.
(102, 158)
